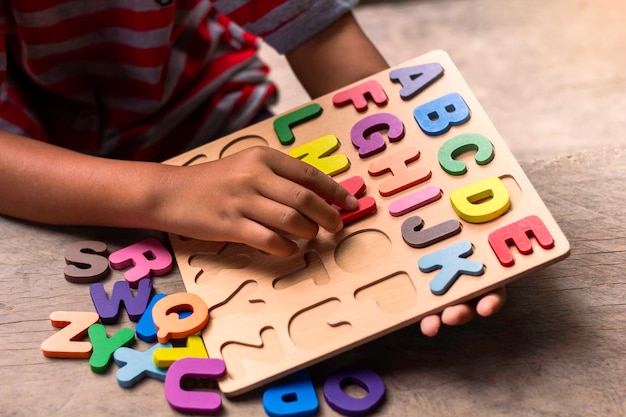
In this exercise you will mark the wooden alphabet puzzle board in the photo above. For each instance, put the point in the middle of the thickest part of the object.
(446, 214)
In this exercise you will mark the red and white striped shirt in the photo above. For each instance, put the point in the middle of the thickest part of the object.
(143, 79)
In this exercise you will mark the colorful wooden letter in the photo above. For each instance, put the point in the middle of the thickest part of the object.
(367, 204)
(86, 261)
(401, 176)
(415, 237)
(193, 401)
(167, 356)
(416, 78)
(317, 153)
(454, 147)
(415, 200)
(438, 116)
(366, 134)
(347, 405)
(103, 346)
(357, 95)
(284, 124)
(108, 309)
(170, 325)
(136, 365)
(481, 201)
(452, 264)
(518, 234)
(145, 329)
(66, 342)
(148, 257)
(294, 399)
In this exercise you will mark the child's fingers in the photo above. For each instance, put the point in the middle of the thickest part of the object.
(430, 325)
(492, 302)
(281, 217)
(304, 202)
(264, 239)
(458, 314)
(312, 179)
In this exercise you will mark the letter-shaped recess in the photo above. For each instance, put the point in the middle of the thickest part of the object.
(167, 356)
(481, 201)
(401, 177)
(284, 124)
(366, 134)
(316, 153)
(136, 365)
(148, 257)
(436, 117)
(170, 324)
(104, 347)
(357, 95)
(294, 399)
(66, 343)
(347, 405)
(452, 264)
(86, 261)
(193, 401)
(452, 148)
(367, 205)
(416, 78)
(416, 237)
(109, 308)
(518, 234)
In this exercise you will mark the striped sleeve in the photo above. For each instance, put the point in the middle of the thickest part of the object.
(14, 115)
(285, 24)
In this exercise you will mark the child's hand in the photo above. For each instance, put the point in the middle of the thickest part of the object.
(484, 306)
(259, 196)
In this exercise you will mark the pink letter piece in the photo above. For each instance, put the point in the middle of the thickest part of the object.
(193, 401)
(357, 95)
(148, 257)
(415, 200)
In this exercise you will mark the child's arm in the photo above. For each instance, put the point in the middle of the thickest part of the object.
(258, 197)
(340, 55)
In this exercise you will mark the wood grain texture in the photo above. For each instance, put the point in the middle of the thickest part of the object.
(557, 349)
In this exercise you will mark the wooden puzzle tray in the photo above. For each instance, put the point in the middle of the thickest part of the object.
(446, 214)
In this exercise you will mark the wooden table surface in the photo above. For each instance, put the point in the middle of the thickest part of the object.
(557, 349)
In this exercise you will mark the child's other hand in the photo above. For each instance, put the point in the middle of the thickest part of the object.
(259, 196)
(483, 306)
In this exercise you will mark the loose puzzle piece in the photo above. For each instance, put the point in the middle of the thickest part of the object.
(348, 405)
(67, 343)
(136, 365)
(446, 214)
(146, 258)
(104, 346)
(193, 401)
(170, 324)
(86, 261)
(295, 399)
(194, 348)
(108, 308)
